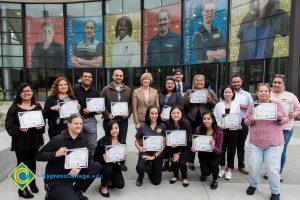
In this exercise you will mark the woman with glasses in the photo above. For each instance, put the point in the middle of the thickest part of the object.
(279, 94)
(193, 110)
(25, 141)
(266, 143)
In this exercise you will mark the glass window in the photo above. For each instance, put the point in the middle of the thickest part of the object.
(53, 10)
(113, 7)
(11, 10)
(131, 6)
(93, 9)
(12, 50)
(11, 38)
(14, 24)
(75, 10)
(168, 2)
(152, 4)
(12, 61)
(35, 10)
(10, 80)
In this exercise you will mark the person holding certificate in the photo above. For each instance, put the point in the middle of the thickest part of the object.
(82, 93)
(179, 154)
(112, 173)
(266, 143)
(167, 99)
(25, 141)
(227, 108)
(61, 91)
(143, 97)
(150, 161)
(279, 95)
(61, 169)
(194, 111)
(210, 161)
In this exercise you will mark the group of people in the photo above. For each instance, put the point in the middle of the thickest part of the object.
(268, 138)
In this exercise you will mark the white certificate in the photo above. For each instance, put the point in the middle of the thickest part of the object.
(77, 158)
(67, 108)
(287, 106)
(115, 153)
(31, 119)
(201, 143)
(232, 120)
(177, 137)
(153, 143)
(95, 104)
(165, 113)
(240, 99)
(119, 108)
(265, 111)
(198, 96)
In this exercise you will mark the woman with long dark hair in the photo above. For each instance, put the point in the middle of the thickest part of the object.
(25, 141)
(112, 173)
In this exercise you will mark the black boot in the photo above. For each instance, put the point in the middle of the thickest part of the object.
(25, 194)
(166, 166)
(33, 187)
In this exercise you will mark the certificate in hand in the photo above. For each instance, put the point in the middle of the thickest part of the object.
(198, 96)
(240, 99)
(31, 119)
(153, 143)
(77, 158)
(165, 114)
(67, 108)
(201, 143)
(177, 137)
(287, 106)
(95, 104)
(119, 108)
(265, 111)
(232, 120)
(115, 153)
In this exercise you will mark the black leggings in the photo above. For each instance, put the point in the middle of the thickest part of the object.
(114, 174)
(28, 158)
(229, 146)
(153, 167)
(194, 125)
(209, 163)
(181, 164)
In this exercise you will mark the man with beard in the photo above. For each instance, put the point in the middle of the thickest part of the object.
(243, 98)
(82, 92)
(164, 48)
(208, 41)
(88, 53)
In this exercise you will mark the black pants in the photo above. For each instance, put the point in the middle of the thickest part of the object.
(152, 167)
(28, 158)
(114, 174)
(181, 164)
(194, 125)
(56, 129)
(242, 136)
(229, 147)
(209, 163)
(167, 153)
(56, 188)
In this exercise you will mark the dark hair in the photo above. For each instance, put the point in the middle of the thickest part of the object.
(109, 127)
(223, 90)
(147, 116)
(171, 123)
(73, 116)
(90, 21)
(85, 71)
(49, 24)
(269, 10)
(215, 127)
(178, 70)
(128, 25)
(18, 99)
(164, 90)
(237, 76)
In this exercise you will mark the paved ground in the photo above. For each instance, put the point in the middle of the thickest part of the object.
(227, 190)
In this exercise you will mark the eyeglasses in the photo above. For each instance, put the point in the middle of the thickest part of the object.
(279, 75)
(26, 91)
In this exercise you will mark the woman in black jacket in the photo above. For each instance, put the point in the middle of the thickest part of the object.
(25, 141)
(112, 174)
(61, 91)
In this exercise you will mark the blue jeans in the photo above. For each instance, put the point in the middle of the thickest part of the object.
(90, 132)
(287, 134)
(269, 156)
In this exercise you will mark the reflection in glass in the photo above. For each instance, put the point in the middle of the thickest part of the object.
(11, 10)
(34, 10)
(75, 10)
(53, 10)
(93, 9)
(152, 4)
(113, 7)
(131, 6)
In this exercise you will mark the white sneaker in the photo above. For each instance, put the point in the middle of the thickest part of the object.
(221, 173)
(228, 176)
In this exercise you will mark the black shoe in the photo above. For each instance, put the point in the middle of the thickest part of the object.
(214, 185)
(139, 181)
(191, 167)
(124, 168)
(251, 190)
(110, 186)
(166, 166)
(202, 178)
(25, 194)
(172, 181)
(33, 187)
(170, 169)
(80, 194)
(275, 197)
(185, 184)
(104, 194)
